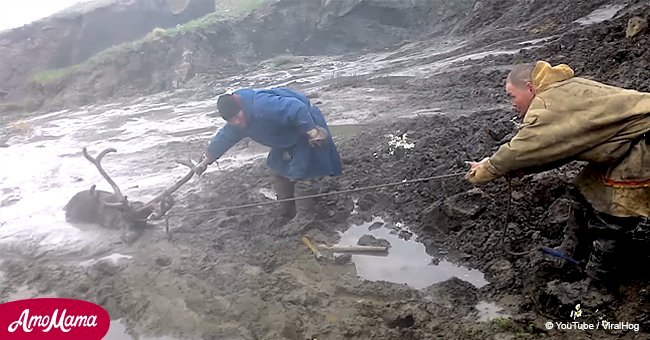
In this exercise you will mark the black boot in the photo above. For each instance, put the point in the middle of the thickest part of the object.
(608, 233)
(574, 232)
(306, 209)
(284, 189)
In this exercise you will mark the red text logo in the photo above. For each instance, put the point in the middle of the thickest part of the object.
(53, 318)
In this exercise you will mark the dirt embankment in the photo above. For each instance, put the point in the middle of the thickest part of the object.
(217, 48)
(72, 36)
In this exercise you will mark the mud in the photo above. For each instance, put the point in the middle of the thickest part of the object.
(237, 275)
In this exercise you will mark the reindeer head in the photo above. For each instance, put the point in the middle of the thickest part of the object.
(114, 210)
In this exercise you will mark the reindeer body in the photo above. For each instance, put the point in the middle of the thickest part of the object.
(85, 207)
(112, 210)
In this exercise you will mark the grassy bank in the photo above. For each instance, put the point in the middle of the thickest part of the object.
(224, 9)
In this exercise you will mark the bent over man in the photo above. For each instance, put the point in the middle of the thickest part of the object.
(302, 149)
(568, 118)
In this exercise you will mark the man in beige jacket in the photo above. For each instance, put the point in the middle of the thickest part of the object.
(568, 118)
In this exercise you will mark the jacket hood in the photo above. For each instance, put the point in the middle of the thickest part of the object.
(544, 74)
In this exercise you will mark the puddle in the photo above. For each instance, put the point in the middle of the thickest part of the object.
(406, 262)
(600, 15)
(489, 311)
(117, 331)
(347, 130)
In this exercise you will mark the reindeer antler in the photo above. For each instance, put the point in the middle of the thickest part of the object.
(160, 198)
(97, 162)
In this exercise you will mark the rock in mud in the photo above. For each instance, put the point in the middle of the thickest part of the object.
(405, 235)
(343, 259)
(560, 295)
(376, 225)
(502, 273)
(163, 261)
(454, 294)
(448, 215)
(559, 211)
(465, 205)
(635, 26)
(400, 321)
(369, 240)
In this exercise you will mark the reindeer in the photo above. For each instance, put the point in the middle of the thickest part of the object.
(113, 210)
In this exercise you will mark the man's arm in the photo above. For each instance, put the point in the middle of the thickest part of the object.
(545, 138)
(225, 139)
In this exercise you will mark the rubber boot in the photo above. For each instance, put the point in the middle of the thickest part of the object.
(306, 208)
(602, 262)
(573, 233)
(284, 189)
(609, 232)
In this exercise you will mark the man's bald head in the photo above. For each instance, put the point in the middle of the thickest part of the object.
(521, 74)
(520, 87)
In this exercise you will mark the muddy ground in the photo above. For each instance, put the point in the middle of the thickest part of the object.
(237, 275)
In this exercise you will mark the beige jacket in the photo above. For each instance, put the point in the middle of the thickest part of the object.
(573, 118)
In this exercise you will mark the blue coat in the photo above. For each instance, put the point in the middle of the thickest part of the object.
(279, 118)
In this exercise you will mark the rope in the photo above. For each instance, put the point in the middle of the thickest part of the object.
(505, 224)
(372, 187)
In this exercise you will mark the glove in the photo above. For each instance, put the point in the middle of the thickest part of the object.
(202, 166)
(317, 136)
(482, 172)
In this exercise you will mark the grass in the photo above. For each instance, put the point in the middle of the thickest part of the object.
(107, 55)
(224, 9)
(50, 76)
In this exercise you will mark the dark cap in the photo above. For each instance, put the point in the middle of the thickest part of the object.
(227, 106)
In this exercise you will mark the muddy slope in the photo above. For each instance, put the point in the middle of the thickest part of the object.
(73, 35)
(231, 46)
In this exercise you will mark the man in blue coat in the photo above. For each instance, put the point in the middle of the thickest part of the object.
(302, 149)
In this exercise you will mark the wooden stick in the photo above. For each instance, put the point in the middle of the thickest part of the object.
(359, 249)
(307, 241)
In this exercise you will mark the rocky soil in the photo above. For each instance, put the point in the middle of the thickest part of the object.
(238, 275)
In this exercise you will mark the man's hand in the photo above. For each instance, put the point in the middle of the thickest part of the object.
(202, 166)
(481, 172)
(472, 167)
(317, 136)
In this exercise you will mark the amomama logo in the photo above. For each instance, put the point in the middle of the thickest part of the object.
(53, 318)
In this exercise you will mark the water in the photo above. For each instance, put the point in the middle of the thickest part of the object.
(601, 14)
(407, 261)
(43, 167)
